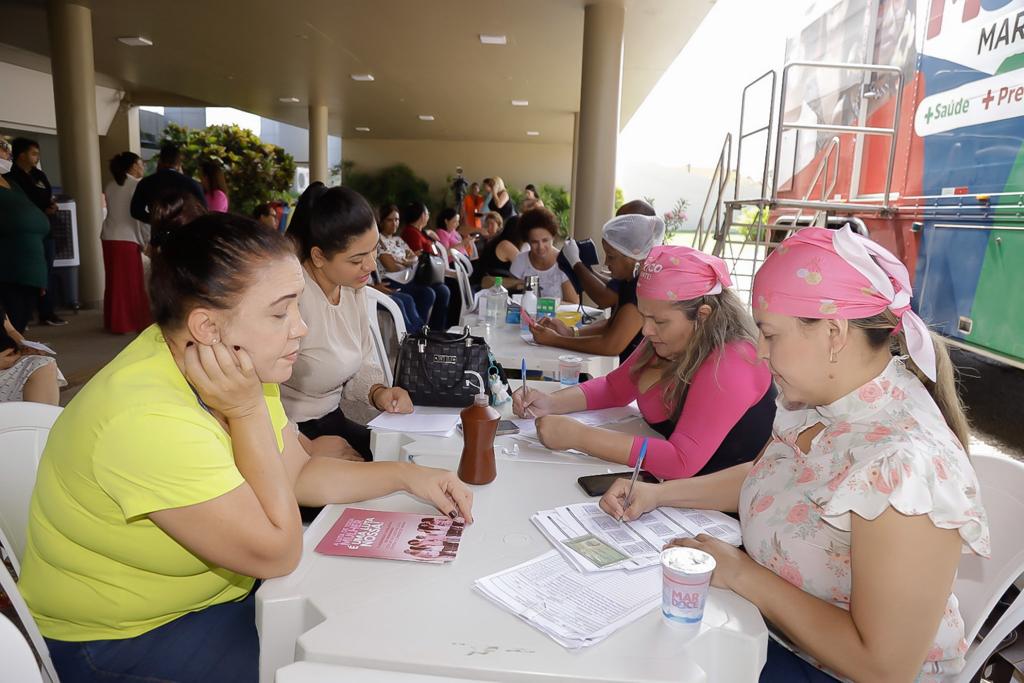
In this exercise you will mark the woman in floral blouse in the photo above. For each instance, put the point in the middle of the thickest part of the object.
(869, 453)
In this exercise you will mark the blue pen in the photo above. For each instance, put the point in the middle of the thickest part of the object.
(523, 367)
(636, 473)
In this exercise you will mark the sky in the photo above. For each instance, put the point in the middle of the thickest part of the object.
(688, 113)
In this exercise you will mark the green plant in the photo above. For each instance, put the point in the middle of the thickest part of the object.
(748, 223)
(620, 198)
(649, 200)
(395, 184)
(255, 172)
(675, 218)
(557, 200)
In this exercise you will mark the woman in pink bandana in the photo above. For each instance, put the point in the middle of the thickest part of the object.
(868, 451)
(696, 377)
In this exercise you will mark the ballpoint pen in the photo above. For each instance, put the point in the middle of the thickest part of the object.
(523, 367)
(632, 480)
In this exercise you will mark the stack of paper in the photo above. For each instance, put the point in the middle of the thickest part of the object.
(575, 609)
(591, 540)
(417, 422)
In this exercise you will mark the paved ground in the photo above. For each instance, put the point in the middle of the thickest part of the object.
(993, 392)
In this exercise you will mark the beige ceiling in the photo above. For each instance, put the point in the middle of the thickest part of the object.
(424, 54)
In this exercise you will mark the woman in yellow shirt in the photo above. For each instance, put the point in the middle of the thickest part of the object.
(174, 477)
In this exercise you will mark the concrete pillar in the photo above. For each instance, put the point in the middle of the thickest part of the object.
(594, 196)
(575, 162)
(122, 136)
(74, 96)
(318, 143)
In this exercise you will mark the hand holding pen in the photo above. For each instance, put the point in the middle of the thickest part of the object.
(632, 480)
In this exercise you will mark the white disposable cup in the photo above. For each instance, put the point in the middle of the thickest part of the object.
(685, 577)
(569, 368)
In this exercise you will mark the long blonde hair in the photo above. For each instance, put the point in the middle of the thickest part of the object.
(729, 321)
(878, 330)
(498, 185)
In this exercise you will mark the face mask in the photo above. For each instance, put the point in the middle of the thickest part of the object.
(5, 165)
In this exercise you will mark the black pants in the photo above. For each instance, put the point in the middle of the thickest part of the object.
(45, 306)
(18, 301)
(335, 423)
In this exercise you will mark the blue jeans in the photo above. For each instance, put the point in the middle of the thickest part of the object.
(431, 303)
(413, 321)
(783, 666)
(218, 643)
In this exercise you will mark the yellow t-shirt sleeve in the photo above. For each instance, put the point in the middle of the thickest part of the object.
(171, 457)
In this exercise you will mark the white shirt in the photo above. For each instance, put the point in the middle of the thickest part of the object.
(550, 280)
(336, 359)
(119, 226)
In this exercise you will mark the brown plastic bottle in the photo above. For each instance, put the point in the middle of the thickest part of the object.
(479, 426)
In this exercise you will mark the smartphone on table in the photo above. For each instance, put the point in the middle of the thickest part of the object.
(505, 427)
(598, 484)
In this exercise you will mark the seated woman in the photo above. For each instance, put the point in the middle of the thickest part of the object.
(605, 293)
(26, 374)
(171, 481)
(696, 377)
(868, 453)
(498, 253)
(396, 255)
(336, 360)
(447, 230)
(627, 240)
(540, 228)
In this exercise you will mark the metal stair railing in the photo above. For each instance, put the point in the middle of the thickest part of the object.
(716, 221)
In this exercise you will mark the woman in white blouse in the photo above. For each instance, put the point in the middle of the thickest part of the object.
(856, 512)
(540, 227)
(125, 305)
(336, 376)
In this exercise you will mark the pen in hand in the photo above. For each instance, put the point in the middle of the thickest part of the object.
(632, 480)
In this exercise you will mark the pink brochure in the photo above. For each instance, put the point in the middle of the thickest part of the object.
(393, 536)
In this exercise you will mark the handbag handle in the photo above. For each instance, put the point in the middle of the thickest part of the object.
(438, 336)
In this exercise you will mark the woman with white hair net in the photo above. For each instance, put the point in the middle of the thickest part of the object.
(627, 240)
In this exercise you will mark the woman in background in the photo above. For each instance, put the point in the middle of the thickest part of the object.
(124, 239)
(215, 186)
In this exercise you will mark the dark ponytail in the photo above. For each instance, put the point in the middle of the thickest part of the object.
(338, 216)
(207, 262)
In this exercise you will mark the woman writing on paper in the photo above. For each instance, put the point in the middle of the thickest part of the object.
(696, 377)
(627, 240)
(868, 454)
(336, 375)
(173, 478)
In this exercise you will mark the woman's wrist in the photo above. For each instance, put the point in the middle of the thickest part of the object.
(371, 397)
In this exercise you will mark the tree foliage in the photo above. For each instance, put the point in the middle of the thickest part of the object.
(256, 172)
(392, 185)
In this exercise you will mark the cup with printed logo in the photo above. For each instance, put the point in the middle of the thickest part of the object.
(685, 577)
(569, 368)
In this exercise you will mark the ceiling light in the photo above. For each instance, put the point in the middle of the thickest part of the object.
(362, 77)
(426, 117)
(362, 129)
(520, 103)
(493, 40)
(135, 41)
(533, 133)
(288, 100)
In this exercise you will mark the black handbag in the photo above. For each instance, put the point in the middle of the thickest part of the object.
(432, 367)
(429, 269)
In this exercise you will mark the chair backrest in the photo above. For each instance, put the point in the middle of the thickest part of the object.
(979, 582)
(18, 661)
(462, 270)
(24, 428)
(373, 300)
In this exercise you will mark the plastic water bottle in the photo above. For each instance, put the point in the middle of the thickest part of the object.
(497, 303)
(529, 302)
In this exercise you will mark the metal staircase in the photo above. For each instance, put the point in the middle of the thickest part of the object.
(744, 230)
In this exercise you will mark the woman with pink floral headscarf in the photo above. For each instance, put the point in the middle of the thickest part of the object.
(695, 377)
(869, 453)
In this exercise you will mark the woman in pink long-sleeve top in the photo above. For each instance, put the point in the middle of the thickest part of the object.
(696, 377)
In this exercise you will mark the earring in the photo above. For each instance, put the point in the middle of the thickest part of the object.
(831, 355)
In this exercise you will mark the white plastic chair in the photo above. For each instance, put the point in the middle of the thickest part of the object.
(463, 268)
(11, 650)
(24, 428)
(979, 582)
(18, 661)
(373, 300)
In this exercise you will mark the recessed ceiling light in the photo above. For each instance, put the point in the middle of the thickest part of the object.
(362, 129)
(288, 100)
(520, 103)
(135, 41)
(426, 117)
(493, 40)
(533, 133)
(362, 77)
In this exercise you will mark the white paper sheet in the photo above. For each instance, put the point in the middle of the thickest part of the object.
(575, 609)
(416, 423)
(38, 347)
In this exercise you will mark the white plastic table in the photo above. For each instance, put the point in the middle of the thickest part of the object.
(333, 614)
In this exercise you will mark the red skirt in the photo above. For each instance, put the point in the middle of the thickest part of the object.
(125, 304)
